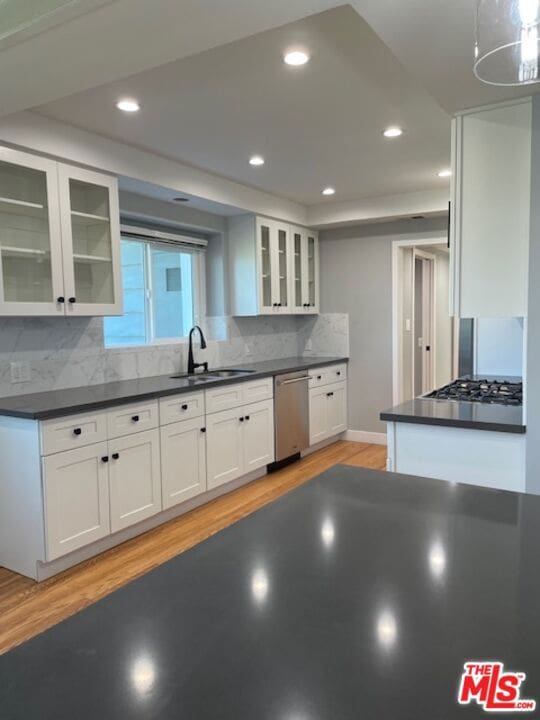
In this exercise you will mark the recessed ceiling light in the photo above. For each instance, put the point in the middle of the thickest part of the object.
(445, 173)
(392, 132)
(256, 160)
(128, 105)
(329, 191)
(296, 58)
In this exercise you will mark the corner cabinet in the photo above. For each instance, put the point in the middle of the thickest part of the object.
(490, 208)
(59, 239)
(274, 267)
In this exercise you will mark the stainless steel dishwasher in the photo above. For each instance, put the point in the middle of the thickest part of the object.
(291, 401)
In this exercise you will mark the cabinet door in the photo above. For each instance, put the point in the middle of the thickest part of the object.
(224, 450)
(183, 461)
(337, 408)
(91, 242)
(281, 250)
(318, 415)
(258, 435)
(134, 478)
(31, 279)
(310, 272)
(76, 499)
(266, 266)
(298, 268)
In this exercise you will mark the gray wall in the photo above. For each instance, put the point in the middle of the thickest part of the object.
(533, 325)
(356, 278)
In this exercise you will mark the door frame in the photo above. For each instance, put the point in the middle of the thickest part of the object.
(429, 302)
(397, 309)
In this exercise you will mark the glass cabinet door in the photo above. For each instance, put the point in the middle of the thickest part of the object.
(30, 250)
(298, 252)
(91, 236)
(283, 264)
(312, 290)
(266, 269)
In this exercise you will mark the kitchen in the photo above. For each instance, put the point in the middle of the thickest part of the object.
(200, 336)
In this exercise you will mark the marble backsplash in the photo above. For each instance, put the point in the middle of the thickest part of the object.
(69, 352)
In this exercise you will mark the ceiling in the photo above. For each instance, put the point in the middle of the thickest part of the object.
(317, 125)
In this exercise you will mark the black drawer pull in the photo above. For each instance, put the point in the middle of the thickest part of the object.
(135, 418)
(115, 456)
(330, 394)
(319, 377)
(105, 459)
(247, 417)
(203, 430)
(184, 407)
(77, 431)
(338, 372)
(241, 419)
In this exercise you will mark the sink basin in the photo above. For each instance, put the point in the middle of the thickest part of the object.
(212, 375)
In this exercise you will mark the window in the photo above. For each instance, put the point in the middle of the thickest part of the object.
(161, 289)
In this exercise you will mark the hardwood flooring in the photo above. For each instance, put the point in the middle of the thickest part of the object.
(28, 608)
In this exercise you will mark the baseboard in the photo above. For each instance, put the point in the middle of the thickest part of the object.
(365, 437)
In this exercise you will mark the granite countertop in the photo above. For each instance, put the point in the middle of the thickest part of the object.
(56, 403)
(455, 413)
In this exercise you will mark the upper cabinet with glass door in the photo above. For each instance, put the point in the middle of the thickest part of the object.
(274, 267)
(31, 277)
(91, 242)
(59, 239)
(305, 263)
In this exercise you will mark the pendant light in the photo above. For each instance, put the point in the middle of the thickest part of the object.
(507, 42)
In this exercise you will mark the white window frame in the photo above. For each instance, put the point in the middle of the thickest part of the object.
(198, 284)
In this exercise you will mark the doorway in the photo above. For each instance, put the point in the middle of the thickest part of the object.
(423, 357)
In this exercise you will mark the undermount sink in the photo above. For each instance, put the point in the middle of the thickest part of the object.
(212, 375)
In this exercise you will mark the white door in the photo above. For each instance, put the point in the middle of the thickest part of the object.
(183, 461)
(134, 478)
(224, 447)
(318, 415)
(76, 499)
(336, 396)
(258, 435)
(31, 278)
(90, 219)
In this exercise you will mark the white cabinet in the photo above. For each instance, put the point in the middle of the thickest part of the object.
(239, 441)
(489, 223)
(59, 238)
(134, 478)
(267, 277)
(183, 461)
(224, 447)
(76, 499)
(305, 270)
(327, 411)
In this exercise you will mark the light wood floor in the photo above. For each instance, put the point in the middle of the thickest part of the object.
(27, 608)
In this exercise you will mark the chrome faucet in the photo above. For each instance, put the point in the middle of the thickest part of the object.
(192, 365)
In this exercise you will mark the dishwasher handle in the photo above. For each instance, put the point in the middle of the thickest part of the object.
(294, 380)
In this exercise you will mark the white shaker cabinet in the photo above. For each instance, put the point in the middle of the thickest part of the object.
(327, 403)
(258, 440)
(224, 447)
(489, 220)
(267, 277)
(76, 498)
(59, 239)
(134, 478)
(183, 461)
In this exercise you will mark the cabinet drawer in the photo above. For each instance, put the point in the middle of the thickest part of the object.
(224, 397)
(326, 375)
(72, 432)
(181, 407)
(132, 418)
(256, 390)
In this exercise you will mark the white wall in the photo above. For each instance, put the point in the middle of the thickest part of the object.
(499, 346)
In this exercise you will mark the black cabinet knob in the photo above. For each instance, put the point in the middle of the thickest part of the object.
(338, 372)
(184, 407)
(105, 459)
(77, 431)
(135, 418)
(329, 394)
(61, 299)
(319, 377)
(115, 456)
(203, 430)
(72, 300)
(247, 417)
(241, 419)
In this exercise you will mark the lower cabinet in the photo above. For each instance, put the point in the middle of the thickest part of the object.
(76, 497)
(183, 461)
(239, 441)
(134, 478)
(327, 411)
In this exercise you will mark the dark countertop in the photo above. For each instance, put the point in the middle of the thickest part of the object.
(359, 595)
(56, 403)
(463, 414)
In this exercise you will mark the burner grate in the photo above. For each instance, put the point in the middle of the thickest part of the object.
(483, 391)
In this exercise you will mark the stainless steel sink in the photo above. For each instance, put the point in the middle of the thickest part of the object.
(212, 375)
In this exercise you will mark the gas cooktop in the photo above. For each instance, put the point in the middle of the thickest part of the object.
(483, 391)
